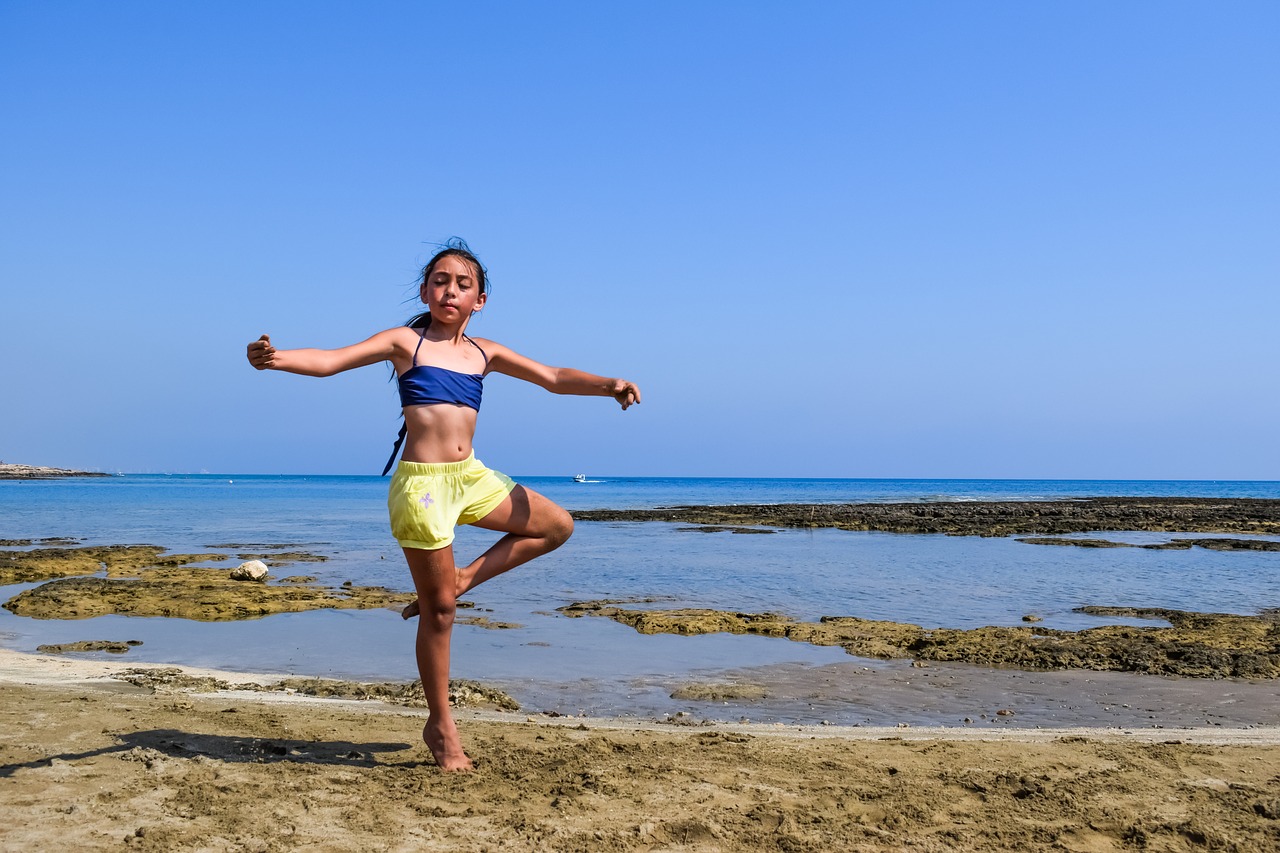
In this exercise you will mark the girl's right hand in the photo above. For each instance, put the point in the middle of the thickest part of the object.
(261, 353)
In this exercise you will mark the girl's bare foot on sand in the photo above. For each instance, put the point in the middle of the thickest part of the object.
(442, 739)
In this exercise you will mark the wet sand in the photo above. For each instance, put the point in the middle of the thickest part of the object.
(93, 762)
(985, 699)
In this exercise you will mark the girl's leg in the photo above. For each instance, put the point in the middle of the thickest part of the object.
(534, 525)
(435, 579)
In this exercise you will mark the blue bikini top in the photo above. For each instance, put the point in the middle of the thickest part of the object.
(428, 385)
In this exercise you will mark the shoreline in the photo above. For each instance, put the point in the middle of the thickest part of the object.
(61, 674)
(851, 695)
(91, 762)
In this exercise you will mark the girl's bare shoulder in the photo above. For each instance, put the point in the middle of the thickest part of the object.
(503, 359)
(494, 351)
(403, 338)
(401, 332)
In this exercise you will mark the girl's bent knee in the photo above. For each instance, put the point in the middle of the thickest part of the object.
(561, 529)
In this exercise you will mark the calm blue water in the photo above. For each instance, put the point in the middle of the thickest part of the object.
(553, 661)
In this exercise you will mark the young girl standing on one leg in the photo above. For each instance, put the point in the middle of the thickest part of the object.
(439, 483)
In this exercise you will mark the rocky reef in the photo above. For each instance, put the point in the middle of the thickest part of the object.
(983, 518)
(116, 647)
(463, 693)
(142, 580)
(115, 560)
(1171, 545)
(1201, 645)
(206, 595)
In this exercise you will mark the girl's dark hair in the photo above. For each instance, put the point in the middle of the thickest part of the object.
(454, 247)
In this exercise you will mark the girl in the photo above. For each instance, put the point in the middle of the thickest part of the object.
(439, 482)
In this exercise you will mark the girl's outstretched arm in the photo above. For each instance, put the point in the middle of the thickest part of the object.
(559, 380)
(323, 362)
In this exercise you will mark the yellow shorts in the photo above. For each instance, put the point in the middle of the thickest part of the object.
(427, 500)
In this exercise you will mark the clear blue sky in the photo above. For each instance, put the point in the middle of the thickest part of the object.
(872, 239)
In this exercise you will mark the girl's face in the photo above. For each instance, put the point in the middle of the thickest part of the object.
(452, 290)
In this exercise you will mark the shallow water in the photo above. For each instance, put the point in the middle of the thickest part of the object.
(593, 664)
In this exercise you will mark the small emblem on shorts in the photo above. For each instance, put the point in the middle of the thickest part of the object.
(426, 500)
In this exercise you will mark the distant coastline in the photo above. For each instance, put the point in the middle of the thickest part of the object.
(9, 471)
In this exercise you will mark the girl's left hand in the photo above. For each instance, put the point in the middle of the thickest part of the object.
(625, 393)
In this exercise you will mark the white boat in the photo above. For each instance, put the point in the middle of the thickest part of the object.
(579, 478)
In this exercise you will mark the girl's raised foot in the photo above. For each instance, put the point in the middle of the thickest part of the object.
(412, 609)
(446, 747)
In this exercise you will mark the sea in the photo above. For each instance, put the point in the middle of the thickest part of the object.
(552, 662)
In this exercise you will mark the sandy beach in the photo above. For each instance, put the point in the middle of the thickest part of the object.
(91, 761)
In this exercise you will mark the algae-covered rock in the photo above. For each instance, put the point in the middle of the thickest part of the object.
(206, 595)
(49, 540)
(39, 564)
(716, 528)
(1078, 543)
(486, 622)
(113, 646)
(1203, 645)
(284, 558)
(174, 679)
(1224, 544)
(462, 692)
(1221, 544)
(983, 518)
(719, 692)
(143, 580)
(45, 563)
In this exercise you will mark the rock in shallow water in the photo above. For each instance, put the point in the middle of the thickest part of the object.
(250, 570)
(206, 595)
(112, 646)
(142, 581)
(1198, 645)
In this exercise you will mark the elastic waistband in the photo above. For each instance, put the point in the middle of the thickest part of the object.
(437, 468)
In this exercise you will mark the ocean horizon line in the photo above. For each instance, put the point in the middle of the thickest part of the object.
(733, 477)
